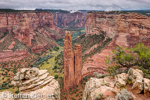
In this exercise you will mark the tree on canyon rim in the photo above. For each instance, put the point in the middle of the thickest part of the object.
(124, 58)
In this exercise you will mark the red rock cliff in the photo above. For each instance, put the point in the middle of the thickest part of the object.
(69, 19)
(125, 29)
(129, 28)
(26, 30)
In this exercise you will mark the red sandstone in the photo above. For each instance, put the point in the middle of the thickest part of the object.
(72, 63)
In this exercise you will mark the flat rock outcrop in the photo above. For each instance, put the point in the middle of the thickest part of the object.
(35, 81)
(114, 88)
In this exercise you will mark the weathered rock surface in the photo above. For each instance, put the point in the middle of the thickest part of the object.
(69, 19)
(136, 76)
(114, 88)
(21, 32)
(146, 87)
(121, 80)
(35, 81)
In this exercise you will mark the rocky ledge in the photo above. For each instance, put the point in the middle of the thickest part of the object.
(38, 82)
(115, 88)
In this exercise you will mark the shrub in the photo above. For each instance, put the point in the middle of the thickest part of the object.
(56, 48)
(124, 57)
(55, 67)
(17, 91)
(31, 65)
(124, 95)
(56, 76)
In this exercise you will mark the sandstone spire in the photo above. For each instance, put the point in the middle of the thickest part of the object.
(68, 62)
(78, 63)
(72, 63)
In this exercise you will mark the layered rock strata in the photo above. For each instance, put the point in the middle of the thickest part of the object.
(128, 28)
(35, 81)
(125, 29)
(27, 30)
(72, 63)
(69, 19)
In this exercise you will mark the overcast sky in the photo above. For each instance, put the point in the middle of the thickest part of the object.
(76, 4)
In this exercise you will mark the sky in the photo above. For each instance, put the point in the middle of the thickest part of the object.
(106, 5)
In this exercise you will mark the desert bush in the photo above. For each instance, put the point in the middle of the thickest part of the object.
(128, 57)
(56, 76)
(56, 48)
(55, 67)
(124, 95)
(42, 59)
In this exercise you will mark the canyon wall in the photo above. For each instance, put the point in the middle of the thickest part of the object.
(128, 28)
(28, 30)
(69, 19)
(72, 63)
(125, 29)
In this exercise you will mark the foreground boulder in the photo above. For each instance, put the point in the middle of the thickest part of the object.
(35, 82)
(146, 87)
(136, 76)
(114, 88)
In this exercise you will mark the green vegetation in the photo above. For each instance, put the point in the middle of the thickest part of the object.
(42, 59)
(84, 41)
(56, 48)
(60, 42)
(56, 76)
(125, 57)
(98, 49)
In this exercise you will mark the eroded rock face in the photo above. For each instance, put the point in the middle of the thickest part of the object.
(35, 81)
(69, 19)
(114, 88)
(129, 28)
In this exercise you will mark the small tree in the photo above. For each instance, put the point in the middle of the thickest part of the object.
(126, 58)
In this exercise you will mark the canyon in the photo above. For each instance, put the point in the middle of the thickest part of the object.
(32, 31)
(125, 29)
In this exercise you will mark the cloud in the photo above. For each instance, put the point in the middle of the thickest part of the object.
(76, 4)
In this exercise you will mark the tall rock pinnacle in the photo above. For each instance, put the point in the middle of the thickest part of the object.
(72, 63)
